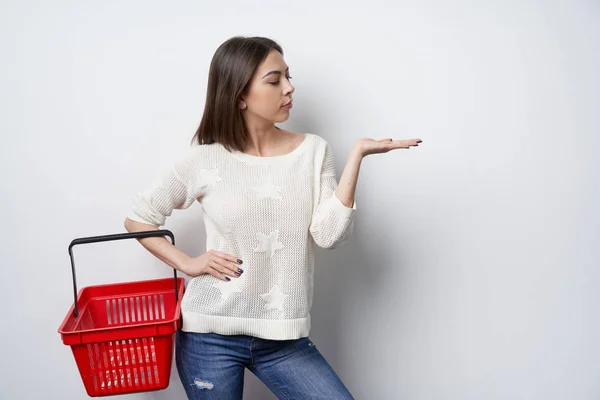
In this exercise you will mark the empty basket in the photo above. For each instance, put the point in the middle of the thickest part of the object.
(122, 335)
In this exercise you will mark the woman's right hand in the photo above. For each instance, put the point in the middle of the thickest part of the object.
(215, 263)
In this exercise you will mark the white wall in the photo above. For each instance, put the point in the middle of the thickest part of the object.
(473, 271)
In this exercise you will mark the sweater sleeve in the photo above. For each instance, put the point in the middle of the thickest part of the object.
(168, 192)
(332, 222)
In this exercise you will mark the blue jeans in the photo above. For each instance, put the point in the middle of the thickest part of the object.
(211, 366)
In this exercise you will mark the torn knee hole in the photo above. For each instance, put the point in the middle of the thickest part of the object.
(201, 384)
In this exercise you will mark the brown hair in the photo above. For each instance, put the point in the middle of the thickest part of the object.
(231, 69)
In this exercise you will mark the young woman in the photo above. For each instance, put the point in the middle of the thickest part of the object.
(268, 195)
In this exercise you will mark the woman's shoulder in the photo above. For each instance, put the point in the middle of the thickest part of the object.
(319, 143)
(309, 136)
(197, 154)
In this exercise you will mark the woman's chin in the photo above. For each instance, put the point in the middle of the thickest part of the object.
(282, 117)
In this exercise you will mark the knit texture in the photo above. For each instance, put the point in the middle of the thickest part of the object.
(267, 211)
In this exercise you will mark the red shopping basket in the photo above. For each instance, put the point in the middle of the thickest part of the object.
(122, 334)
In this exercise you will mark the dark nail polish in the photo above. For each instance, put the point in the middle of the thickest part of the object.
(239, 261)
(240, 270)
(227, 278)
(236, 273)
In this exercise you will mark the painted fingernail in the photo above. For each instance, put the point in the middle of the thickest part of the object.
(239, 261)
(236, 273)
(227, 278)
(240, 270)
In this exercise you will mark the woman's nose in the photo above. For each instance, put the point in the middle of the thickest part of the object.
(289, 88)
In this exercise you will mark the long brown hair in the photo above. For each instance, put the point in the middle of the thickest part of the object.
(231, 69)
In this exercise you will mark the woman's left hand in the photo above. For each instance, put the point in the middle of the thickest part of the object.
(366, 146)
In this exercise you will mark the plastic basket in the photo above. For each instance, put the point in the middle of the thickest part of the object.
(122, 335)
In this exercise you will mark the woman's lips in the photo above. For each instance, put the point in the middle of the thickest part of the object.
(288, 105)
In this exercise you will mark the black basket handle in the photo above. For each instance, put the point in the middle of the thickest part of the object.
(118, 236)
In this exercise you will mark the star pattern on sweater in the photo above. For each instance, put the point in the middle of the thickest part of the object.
(274, 298)
(268, 243)
(226, 288)
(268, 191)
(210, 177)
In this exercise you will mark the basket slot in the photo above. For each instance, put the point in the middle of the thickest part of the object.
(156, 307)
(121, 306)
(106, 381)
(112, 372)
(115, 314)
(151, 309)
(92, 351)
(147, 361)
(139, 309)
(140, 360)
(123, 349)
(132, 309)
(108, 315)
(123, 365)
(144, 309)
(135, 309)
(134, 363)
(125, 303)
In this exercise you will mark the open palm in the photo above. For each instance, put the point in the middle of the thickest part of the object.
(368, 146)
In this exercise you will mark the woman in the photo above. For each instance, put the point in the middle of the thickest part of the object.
(267, 194)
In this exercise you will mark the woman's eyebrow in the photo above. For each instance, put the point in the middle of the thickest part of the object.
(275, 72)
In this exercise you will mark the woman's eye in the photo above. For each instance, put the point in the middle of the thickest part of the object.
(277, 82)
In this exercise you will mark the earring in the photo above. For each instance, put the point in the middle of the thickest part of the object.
(243, 106)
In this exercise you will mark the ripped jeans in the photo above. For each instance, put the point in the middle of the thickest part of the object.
(211, 366)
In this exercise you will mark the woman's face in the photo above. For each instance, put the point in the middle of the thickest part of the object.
(270, 90)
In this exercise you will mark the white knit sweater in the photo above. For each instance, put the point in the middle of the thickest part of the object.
(266, 211)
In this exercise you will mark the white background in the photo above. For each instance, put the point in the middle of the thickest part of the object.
(473, 270)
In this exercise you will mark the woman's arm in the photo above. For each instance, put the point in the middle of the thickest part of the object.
(347, 187)
(160, 247)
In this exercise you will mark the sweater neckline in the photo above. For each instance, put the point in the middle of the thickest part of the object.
(272, 159)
